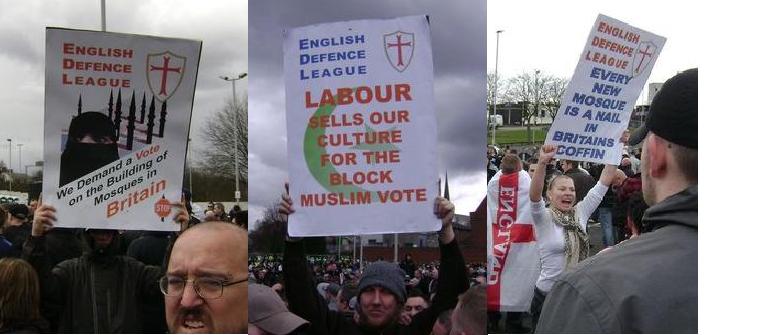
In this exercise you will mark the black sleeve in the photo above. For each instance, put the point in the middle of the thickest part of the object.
(453, 281)
(302, 296)
(149, 279)
(52, 282)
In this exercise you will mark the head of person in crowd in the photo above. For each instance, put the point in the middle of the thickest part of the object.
(19, 296)
(219, 209)
(268, 313)
(669, 136)
(443, 325)
(561, 192)
(17, 215)
(435, 273)
(205, 280)
(491, 152)
(510, 163)
(567, 165)
(332, 296)
(416, 303)
(470, 314)
(381, 295)
(92, 143)
(532, 168)
(209, 216)
(346, 293)
(625, 161)
(101, 244)
(241, 219)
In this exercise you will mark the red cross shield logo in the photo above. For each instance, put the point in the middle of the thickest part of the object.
(643, 56)
(164, 72)
(399, 48)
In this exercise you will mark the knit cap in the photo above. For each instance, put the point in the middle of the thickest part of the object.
(386, 275)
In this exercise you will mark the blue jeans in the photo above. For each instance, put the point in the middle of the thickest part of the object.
(606, 221)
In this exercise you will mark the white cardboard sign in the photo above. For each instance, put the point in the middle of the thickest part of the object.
(598, 102)
(361, 127)
(116, 121)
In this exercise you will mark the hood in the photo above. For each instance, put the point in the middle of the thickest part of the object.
(100, 255)
(678, 209)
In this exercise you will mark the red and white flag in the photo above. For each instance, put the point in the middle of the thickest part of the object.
(513, 257)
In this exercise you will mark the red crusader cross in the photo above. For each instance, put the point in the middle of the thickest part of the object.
(165, 70)
(644, 53)
(398, 46)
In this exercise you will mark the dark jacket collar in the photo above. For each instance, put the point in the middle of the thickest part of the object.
(678, 209)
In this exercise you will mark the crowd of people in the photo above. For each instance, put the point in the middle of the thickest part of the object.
(645, 279)
(71, 280)
(325, 295)
(620, 211)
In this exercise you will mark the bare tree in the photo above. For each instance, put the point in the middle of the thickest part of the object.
(219, 132)
(501, 97)
(552, 92)
(540, 92)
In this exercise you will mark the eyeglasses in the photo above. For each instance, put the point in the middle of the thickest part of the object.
(206, 288)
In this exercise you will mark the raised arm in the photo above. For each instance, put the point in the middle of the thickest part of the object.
(453, 275)
(538, 179)
(609, 172)
(303, 299)
(51, 282)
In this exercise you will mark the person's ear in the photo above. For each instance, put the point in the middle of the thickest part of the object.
(658, 149)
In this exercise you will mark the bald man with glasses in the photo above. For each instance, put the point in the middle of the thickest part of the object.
(205, 282)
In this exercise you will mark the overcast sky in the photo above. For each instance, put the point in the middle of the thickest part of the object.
(221, 25)
(458, 37)
(550, 35)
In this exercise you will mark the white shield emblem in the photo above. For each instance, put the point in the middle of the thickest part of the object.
(399, 47)
(643, 56)
(164, 72)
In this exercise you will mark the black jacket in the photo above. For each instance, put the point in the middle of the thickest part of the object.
(305, 302)
(644, 285)
(94, 293)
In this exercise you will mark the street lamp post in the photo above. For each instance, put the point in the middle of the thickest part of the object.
(20, 156)
(235, 132)
(536, 105)
(10, 175)
(496, 88)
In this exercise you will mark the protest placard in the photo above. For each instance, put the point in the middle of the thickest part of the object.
(598, 102)
(116, 121)
(361, 127)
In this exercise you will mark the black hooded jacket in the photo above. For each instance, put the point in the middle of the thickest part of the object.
(99, 292)
(643, 285)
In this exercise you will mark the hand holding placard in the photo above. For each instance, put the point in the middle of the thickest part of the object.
(43, 219)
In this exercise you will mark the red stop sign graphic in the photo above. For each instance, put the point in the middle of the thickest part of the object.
(163, 208)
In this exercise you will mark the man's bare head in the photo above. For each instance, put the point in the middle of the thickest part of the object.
(208, 252)
(510, 163)
(470, 314)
